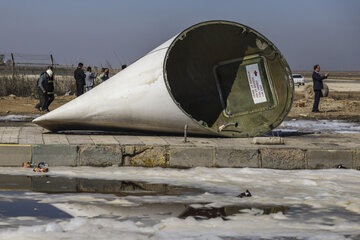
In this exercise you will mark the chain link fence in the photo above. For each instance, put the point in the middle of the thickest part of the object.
(20, 72)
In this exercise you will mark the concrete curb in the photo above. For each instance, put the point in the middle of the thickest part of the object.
(257, 156)
(55, 155)
(99, 156)
(13, 155)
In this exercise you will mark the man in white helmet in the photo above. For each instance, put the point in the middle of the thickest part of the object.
(50, 89)
(43, 89)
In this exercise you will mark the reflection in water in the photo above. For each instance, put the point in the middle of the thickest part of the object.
(57, 185)
(204, 212)
(23, 207)
(16, 187)
(284, 204)
(54, 185)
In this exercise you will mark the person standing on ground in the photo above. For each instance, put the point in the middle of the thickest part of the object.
(98, 79)
(50, 90)
(105, 75)
(89, 79)
(318, 85)
(79, 76)
(43, 89)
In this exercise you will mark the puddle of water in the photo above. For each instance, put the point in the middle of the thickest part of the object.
(22, 207)
(18, 118)
(200, 203)
(324, 126)
(54, 185)
(204, 212)
(16, 185)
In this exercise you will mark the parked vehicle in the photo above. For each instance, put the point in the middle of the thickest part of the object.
(298, 79)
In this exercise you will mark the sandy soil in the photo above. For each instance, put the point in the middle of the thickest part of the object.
(12, 105)
(343, 102)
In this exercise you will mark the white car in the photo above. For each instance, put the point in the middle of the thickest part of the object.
(298, 79)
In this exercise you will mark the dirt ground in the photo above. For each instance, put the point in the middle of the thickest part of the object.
(343, 103)
(12, 105)
(338, 105)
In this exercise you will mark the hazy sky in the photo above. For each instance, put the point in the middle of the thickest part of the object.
(120, 31)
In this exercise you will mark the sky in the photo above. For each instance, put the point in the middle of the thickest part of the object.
(307, 32)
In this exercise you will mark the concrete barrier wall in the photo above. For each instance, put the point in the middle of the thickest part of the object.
(13, 155)
(181, 156)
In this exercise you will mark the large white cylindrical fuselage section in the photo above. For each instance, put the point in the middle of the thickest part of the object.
(217, 77)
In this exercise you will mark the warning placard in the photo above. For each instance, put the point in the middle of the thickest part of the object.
(256, 87)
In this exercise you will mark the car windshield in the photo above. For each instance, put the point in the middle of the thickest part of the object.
(297, 76)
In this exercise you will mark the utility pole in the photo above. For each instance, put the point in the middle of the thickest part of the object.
(13, 65)
(52, 60)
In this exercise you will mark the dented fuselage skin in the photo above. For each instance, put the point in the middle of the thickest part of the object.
(218, 78)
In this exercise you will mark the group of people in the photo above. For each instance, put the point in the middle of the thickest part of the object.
(88, 80)
(84, 81)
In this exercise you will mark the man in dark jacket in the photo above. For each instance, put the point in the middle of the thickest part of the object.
(79, 76)
(318, 85)
(50, 89)
(43, 88)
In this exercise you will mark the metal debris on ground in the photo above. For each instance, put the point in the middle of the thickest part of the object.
(245, 194)
(28, 165)
(43, 165)
(42, 169)
(340, 166)
(300, 104)
(268, 140)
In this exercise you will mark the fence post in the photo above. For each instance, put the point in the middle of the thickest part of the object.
(13, 65)
(52, 60)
